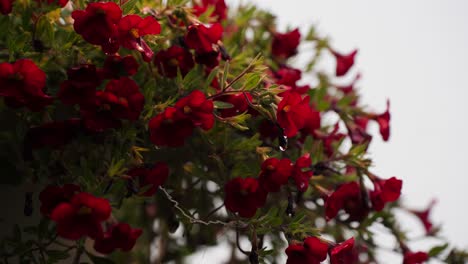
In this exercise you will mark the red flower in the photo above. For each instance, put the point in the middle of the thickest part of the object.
(330, 139)
(151, 177)
(209, 59)
(6, 6)
(312, 122)
(285, 45)
(341, 253)
(198, 109)
(97, 24)
(173, 59)
(275, 173)
(52, 196)
(357, 133)
(61, 3)
(116, 66)
(344, 62)
(121, 99)
(347, 197)
(288, 76)
(238, 101)
(302, 172)
(423, 216)
(312, 251)
(53, 135)
(132, 28)
(201, 38)
(118, 236)
(81, 216)
(22, 83)
(80, 88)
(415, 257)
(170, 128)
(384, 122)
(293, 112)
(385, 191)
(220, 8)
(244, 196)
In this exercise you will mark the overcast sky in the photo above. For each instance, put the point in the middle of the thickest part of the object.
(415, 53)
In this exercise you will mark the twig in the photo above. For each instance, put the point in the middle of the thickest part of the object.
(190, 218)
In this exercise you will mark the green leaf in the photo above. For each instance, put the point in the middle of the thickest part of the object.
(222, 105)
(129, 6)
(435, 251)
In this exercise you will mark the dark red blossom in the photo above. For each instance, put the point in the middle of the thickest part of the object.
(118, 236)
(116, 66)
(6, 6)
(415, 257)
(22, 83)
(51, 135)
(302, 173)
(348, 197)
(209, 59)
(292, 113)
(121, 99)
(343, 62)
(81, 216)
(244, 196)
(80, 88)
(97, 24)
(61, 3)
(312, 122)
(348, 89)
(131, 30)
(275, 173)
(220, 8)
(384, 122)
(312, 251)
(173, 59)
(329, 140)
(170, 128)
(53, 195)
(424, 215)
(239, 103)
(285, 45)
(202, 38)
(198, 109)
(150, 178)
(343, 253)
(385, 191)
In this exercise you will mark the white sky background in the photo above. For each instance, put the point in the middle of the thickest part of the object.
(415, 53)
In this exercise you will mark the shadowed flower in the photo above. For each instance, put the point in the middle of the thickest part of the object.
(81, 216)
(312, 251)
(116, 66)
(285, 45)
(238, 101)
(53, 195)
(302, 172)
(275, 173)
(173, 59)
(343, 253)
(198, 109)
(150, 177)
(97, 24)
(349, 198)
(80, 88)
(244, 196)
(118, 236)
(22, 83)
(6, 6)
(170, 128)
